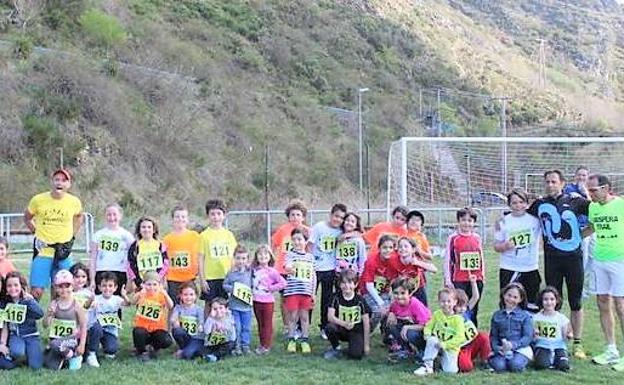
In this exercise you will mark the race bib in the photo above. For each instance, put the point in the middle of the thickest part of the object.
(470, 331)
(470, 260)
(60, 328)
(380, 283)
(110, 244)
(242, 292)
(220, 249)
(216, 338)
(82, 299)
(109, 319)
(180, 260)
(520, 238)
(546, 329)
(287, 245)
(149, 310)
(327, 244)
(351, 314)
(190, 324)
(347, 250)
(304, 271)
(149, 261)
(15, 313)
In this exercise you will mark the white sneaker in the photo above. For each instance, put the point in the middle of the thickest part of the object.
(423, 370)
(610, 356)
(92, 360)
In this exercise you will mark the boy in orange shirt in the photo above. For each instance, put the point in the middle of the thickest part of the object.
(182, 247)
(396, 228)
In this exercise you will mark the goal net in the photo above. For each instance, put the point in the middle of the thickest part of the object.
(474, 171)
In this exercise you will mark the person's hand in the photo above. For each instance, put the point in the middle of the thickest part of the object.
(509, 246)
(92, 286)
(28, 296)
(52, 309)
(123, 291)
(366, 350)
(472, 278)
(289, 270)
(205, 287)
(506, 346)
(449, 284)
(349, 325)
(384, 311)
(391, 320)
(4, 350)
(404, 331)
(80, 349)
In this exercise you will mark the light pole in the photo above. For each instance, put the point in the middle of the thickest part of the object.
(360, 136)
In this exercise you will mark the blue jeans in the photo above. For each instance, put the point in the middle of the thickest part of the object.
(191, 347)
(516, 363)
(242, 319)
(97, 335)
(26, 347)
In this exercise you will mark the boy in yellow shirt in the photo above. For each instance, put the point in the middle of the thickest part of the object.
(216, 250)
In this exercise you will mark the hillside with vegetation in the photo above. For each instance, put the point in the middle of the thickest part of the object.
(159, 101)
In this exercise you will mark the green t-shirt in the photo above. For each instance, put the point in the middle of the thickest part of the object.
(608, 223)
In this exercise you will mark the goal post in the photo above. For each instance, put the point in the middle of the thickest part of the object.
(478, 171)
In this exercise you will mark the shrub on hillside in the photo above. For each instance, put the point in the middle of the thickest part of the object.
(105, 30)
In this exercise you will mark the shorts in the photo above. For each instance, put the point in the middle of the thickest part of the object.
(122, 279)
(297, 302)
(216, 290)
(556, 269)
(609, 278)
(531, 281)
(41, 274)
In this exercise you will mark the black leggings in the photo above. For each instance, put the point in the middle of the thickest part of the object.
(158, 339)
(556, 269)
(326, 280)
(559, 358)
(354, 337)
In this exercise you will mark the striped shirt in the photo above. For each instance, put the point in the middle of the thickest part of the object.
(302, 281)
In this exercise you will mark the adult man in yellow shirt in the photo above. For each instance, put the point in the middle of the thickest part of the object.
(54, 217)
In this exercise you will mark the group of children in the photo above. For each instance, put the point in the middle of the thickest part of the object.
(360, 290)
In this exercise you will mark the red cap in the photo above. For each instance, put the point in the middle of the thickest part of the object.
(64, 172)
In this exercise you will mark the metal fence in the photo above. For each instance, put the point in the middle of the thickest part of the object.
(13, 228)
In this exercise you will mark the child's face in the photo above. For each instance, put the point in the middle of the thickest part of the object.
(180, 219)
(512, 298)
(350, 223)
(241, 260)
(113, 216)
(64, 290)
(347, 287)
(147, 230)
(447, 302)
(517, 205)
(216, 217)
(80, 279)
(336, 218)
(151, 286)
(188, 296)
(3, 251)
(406, 251)
(549, 301)
(461, 308)
(108, 288)
(295, 217)
(414, 224)
(386, 248)
(466, 224)
(299, 242)
(60, 183)
(263, 257)
(218, 310)
(13, 287)
(398, 219)
(402, 296)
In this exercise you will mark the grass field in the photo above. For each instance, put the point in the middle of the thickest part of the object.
(284, 369)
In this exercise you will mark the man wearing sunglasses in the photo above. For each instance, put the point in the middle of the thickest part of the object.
(606, 218)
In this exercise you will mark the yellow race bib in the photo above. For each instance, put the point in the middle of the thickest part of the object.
(304, 271)
(60, 328)
(149, 261)
(470, 260)
(520, 238)
(351, 314)
(149, 310)
(242, 292)
(180, 260)
(15, 313)
(190, 324)
(347, 250)
(109, 319)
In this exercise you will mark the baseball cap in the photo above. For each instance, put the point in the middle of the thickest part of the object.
(63, 276)
(63, 171)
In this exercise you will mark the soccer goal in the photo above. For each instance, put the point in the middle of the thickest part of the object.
(478, 171)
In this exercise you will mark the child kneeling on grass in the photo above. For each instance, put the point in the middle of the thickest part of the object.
(150, 332)
(219, 330)
(444, 334)
(552, 329)
(349, 319)
(67, 321)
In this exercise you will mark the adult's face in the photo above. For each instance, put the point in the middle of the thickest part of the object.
(598, 193)
(553, 184)
(60, 183)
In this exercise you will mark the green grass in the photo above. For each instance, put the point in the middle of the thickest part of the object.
(281, 368)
